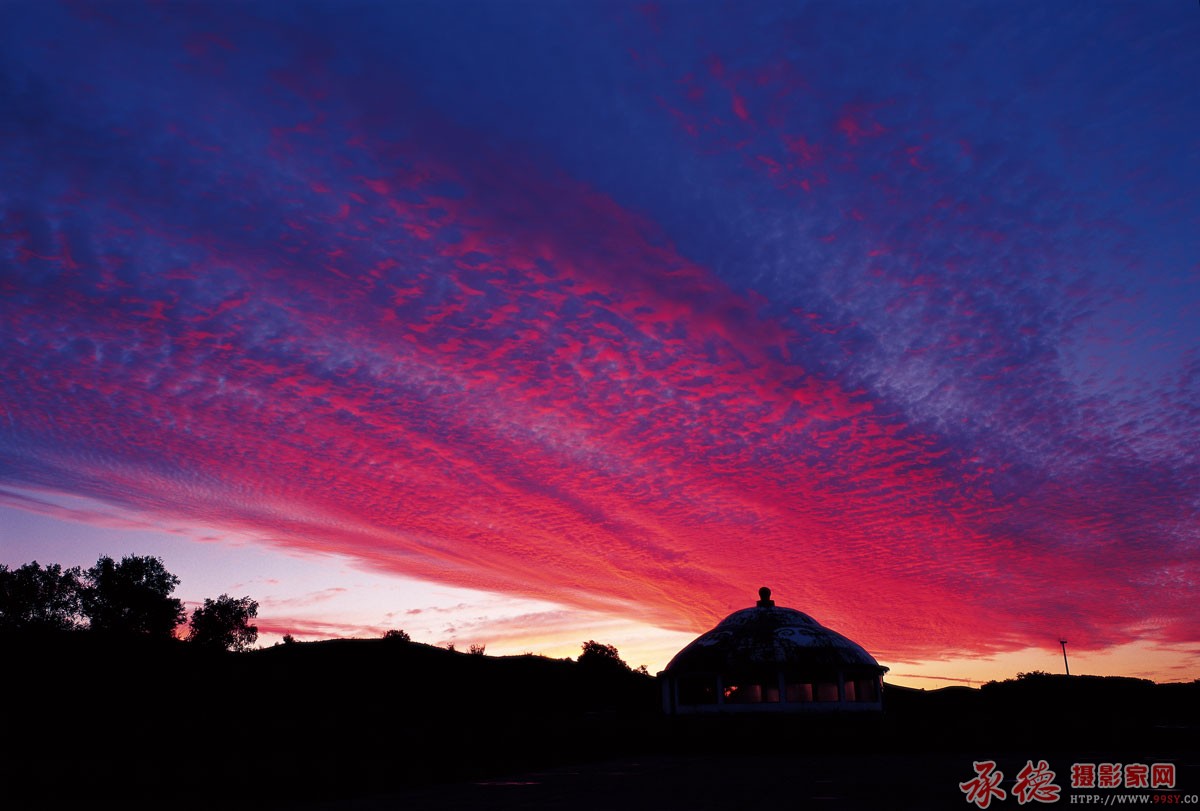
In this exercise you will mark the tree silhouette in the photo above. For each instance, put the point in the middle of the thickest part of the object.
(35, 598)
(133, 596)
(225, 623)
(600, 656)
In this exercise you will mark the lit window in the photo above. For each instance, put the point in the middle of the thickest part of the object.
(866, 689)
(800, 692)
(743, 694)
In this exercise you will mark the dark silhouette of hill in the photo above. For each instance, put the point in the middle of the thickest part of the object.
(161, 723)
(144, 720)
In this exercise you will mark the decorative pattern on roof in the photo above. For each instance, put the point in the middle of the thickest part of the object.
(770, 635)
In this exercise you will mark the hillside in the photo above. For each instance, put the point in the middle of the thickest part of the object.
(167, 725)
(154, 721)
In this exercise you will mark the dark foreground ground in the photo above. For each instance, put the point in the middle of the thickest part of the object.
(914, 757)
(90, 721)
(749, 782)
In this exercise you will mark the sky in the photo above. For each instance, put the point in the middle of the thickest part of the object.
(520, 324)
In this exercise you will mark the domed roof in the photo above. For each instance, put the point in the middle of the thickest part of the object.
(767, 635)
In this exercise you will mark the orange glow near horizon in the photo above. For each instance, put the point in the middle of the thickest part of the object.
(296, 598)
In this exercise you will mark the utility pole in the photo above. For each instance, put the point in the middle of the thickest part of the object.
(1063, 642)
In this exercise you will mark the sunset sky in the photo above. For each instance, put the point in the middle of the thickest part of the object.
(526, 323)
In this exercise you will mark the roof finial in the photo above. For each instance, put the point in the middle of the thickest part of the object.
(764, 598)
